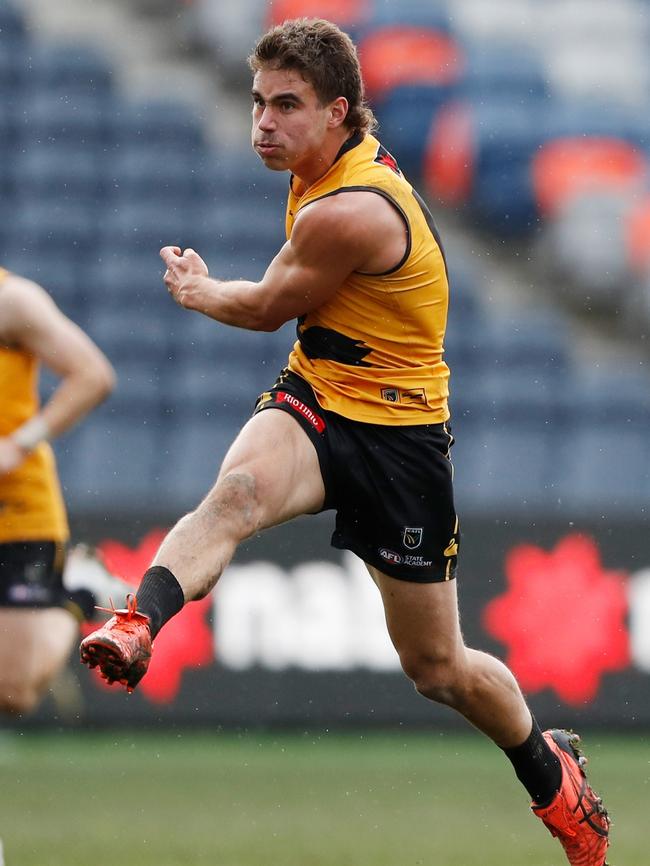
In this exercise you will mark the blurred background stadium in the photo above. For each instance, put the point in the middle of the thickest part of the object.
(526, 126)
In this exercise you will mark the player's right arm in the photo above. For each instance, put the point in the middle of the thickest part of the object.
(331, 238)
(32, 322)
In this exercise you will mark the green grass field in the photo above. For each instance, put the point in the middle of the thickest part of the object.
(139, 799)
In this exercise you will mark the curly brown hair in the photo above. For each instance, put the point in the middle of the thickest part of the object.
(324, 56)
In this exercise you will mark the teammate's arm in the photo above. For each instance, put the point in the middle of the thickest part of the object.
(31, 321)
(331, 238)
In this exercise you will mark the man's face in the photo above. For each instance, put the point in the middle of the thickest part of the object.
(289, 123)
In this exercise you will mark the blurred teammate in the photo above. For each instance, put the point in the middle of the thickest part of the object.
(38, 618)
(358, 420)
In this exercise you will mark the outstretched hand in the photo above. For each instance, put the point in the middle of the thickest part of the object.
(183, 274)
(11, 455)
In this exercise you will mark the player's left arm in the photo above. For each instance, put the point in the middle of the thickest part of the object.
(331, 238)
(35, 324)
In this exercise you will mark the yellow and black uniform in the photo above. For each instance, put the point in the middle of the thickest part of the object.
(33, 521)
(367, 382)
(374, 352)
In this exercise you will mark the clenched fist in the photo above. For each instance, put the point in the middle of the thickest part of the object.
(185, 271)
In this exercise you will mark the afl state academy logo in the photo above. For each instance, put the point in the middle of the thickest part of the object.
(391, 556)
(412, 537)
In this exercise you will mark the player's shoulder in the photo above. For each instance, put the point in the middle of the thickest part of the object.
(347, 211)
(22, 301)
(15, 288)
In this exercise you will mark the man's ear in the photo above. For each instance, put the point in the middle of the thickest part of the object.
(338, 111)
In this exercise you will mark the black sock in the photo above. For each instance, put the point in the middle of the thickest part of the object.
(537, 768)
(159, 596)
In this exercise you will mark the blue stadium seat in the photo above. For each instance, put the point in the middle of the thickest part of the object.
(128, 336)
(533, 346)
(111, 463)
(603, 453)
(405, 115)
(507, 70)
(565, 117)
(58, 274)
(78, 121)
(605, 468)
(537, 341)
(507, 425)
(67, 70)
(13, 68)
(192, 449)
(61, 227)
(505, 135)
(57, 173)
(502, 466)
(12, 23)
(216, 361)
(432, 14)
(143, 227)
(243, 233)
(140, 389)
(227, 386)
(167, 130)
(119, 278)
(133, 176)
(228, 175)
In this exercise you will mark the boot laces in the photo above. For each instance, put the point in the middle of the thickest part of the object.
(131, 607)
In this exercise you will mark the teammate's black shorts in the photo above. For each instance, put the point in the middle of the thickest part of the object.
(31, 574)
(391, 486)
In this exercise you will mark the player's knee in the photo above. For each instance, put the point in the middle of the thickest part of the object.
(435, 677)
(18, 698)
(234, 503)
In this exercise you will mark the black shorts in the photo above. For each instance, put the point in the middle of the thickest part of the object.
(391, 486)
(31, 574)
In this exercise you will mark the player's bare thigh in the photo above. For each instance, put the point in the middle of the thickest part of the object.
(422, 618)
(35, 643)
(274, 456)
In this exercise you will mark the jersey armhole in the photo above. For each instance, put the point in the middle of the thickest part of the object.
(399, 210)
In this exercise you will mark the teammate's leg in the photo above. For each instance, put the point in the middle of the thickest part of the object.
(35, 644)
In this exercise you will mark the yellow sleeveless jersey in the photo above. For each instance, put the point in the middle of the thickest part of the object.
(31, 504)
(374, 351)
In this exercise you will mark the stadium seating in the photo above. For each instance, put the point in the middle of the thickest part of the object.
(351, 15)
(67, 70)
(12, 23)
(93, 183)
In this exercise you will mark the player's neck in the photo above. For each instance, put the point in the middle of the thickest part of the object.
(312, 171)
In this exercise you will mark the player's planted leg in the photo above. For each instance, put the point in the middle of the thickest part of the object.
(576, 815)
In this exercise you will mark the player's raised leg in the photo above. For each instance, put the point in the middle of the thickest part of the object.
(270, 474)
(423, 624)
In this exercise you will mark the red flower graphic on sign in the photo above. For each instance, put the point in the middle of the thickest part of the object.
(185, 641)
(563, 618)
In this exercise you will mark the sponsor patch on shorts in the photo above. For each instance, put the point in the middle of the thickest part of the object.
(315, 420)
(391, 556)
(412, 537)
(417, 561)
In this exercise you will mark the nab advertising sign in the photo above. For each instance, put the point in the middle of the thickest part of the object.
(294, 632)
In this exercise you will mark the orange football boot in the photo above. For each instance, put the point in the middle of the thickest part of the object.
(576, 815)
(122, 647)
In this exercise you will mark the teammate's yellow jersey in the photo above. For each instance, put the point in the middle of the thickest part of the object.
(31, 504)
(374, 351)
